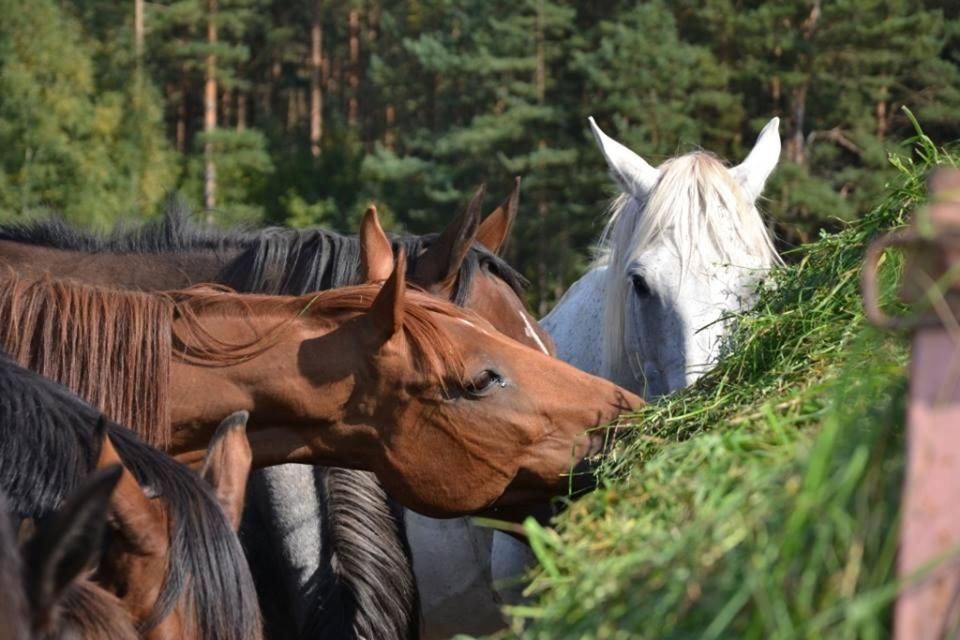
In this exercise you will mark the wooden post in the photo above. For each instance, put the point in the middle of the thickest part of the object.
(929, 560)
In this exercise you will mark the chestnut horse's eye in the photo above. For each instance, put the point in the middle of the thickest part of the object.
(484, 383)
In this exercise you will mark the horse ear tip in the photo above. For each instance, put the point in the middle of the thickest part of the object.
(235, 420)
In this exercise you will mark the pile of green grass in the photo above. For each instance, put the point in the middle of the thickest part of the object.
(764, 501)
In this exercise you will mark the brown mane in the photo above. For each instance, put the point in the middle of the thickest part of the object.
(111, 347)
(434, 351)
(114, 347)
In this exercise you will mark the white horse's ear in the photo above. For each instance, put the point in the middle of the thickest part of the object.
(633, 173)
(761, 161)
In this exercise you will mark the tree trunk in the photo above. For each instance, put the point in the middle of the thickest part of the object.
(241, 111)
(389, 139)
(138, 30)
(210, 114)
(540, 83)
(353, 77)
(882, 119)
(316, 75)
(291, 109)
(796, 146)
(225, 107)
(182, 109)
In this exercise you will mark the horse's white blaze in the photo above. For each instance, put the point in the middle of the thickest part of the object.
(530, 333)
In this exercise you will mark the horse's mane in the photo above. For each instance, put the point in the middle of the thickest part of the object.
(274, 260)
(678, 210)
(111, 347)
(172, 232)
(364, 587)
(300, 261)
(114, 347)
(434, 352)
(50, 440)
(681, 210)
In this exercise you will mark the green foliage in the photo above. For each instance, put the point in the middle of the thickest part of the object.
(243, 171)
(423, 101)
(763, 501)
(93, 152)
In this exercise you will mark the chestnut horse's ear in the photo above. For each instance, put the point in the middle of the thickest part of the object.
(386, 312)
(137, 518)
(66, 544)
(495, 229)
(437, 269)
(227, 465)
(376, 254)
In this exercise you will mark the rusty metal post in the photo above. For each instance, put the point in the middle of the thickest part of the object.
(928, 607)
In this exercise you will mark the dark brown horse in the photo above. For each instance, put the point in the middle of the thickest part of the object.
(135, 561)
(45, 591)
(50, 441)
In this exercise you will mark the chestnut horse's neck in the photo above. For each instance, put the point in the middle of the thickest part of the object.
(279, 387)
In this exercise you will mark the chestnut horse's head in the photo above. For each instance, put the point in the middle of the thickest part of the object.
(136, 559)
(461, 264)
(453, 416)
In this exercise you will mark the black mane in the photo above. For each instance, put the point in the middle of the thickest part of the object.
(49, 441)
(174, 231)
(274, 260)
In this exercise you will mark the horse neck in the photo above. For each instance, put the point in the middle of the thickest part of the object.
(295, 390)
(144, 271)
(576, 323)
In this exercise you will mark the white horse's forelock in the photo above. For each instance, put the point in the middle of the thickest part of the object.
(705, 216)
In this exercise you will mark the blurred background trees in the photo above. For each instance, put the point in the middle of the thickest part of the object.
(300, 112)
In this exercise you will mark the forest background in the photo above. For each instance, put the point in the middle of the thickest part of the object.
(301, 112)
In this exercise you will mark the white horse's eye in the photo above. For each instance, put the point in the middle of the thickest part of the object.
(640, 286)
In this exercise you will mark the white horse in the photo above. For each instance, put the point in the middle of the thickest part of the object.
(683, 251)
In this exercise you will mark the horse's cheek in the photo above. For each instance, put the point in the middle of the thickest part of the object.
(463, 469)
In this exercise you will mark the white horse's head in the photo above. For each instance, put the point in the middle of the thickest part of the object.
(685, 248)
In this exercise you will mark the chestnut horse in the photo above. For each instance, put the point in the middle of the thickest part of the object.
(50, 441)
(174, 254)
(383, 379)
